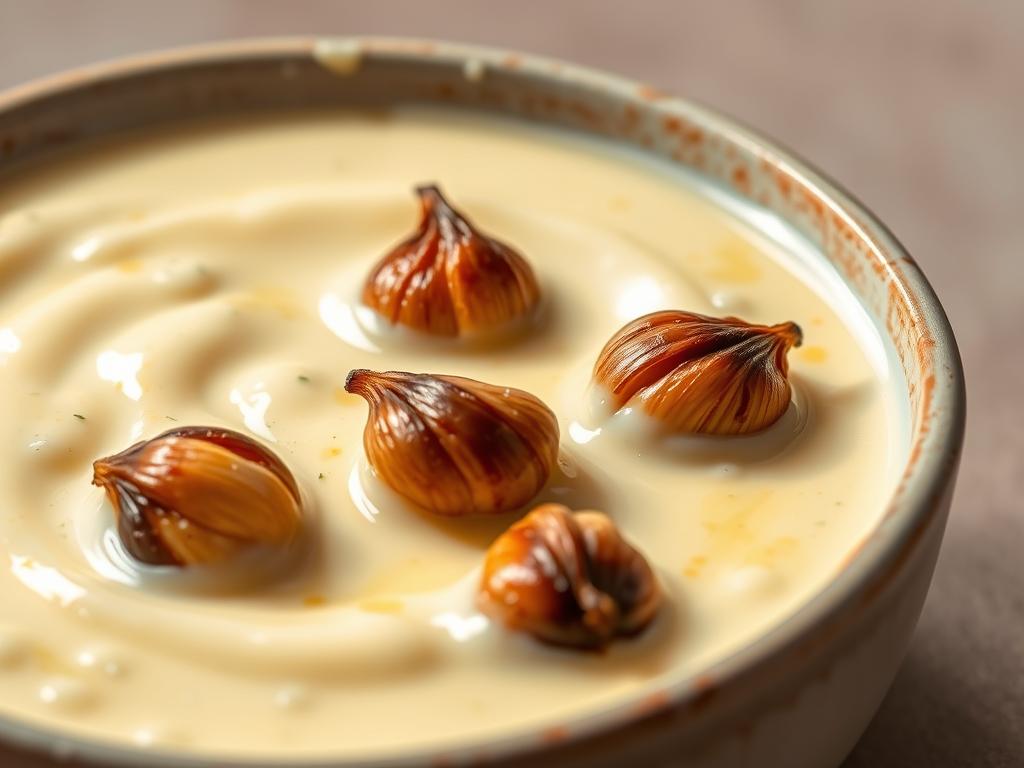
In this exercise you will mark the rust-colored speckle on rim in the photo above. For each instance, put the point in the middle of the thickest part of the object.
(705, 689)
(555, 734)
(851, 555)
(550, 103)
(586, 114)
(741, 180)
(650, 93)
(654, 704)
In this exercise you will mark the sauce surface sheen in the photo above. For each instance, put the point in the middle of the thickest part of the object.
(209, 274)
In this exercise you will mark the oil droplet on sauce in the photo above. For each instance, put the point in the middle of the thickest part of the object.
(813, 354)
(694, 566)
(341, 397)
(381, 605)
(735, 262)
(414, 576)
(129, 266)
(292, 697)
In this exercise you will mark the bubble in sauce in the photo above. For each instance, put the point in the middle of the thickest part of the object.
(753, 581)
(102, 660)
(147, 736)
(292, 698)
(731, 302)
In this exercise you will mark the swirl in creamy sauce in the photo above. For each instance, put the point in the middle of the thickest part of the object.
(210, 274)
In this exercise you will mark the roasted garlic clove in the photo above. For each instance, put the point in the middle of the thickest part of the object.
(199, 495)
(698, 374)
(448, 279)
(456, 446)
(568, 579)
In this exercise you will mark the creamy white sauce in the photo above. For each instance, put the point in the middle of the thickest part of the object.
(210, 275)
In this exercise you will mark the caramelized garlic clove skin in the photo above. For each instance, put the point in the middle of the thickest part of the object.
(695, 374)
(199, 496)
(456, 446)
(448, 279)
(618, 569)
(568, 579)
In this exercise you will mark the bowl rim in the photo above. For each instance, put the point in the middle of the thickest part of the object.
(927, 478)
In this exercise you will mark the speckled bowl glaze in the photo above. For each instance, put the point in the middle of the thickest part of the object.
(803, 693)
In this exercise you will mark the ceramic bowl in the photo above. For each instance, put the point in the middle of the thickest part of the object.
(802, 693)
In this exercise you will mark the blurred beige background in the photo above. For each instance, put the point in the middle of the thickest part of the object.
(917, 107)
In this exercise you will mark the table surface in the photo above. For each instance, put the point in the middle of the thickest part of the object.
(917, 107)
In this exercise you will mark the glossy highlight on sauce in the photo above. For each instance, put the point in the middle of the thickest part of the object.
(211, 273)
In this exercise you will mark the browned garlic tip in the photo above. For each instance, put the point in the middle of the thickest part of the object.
(456, 446)
(448, 279)
(698, 374)
(568, 579)
(199, 495)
